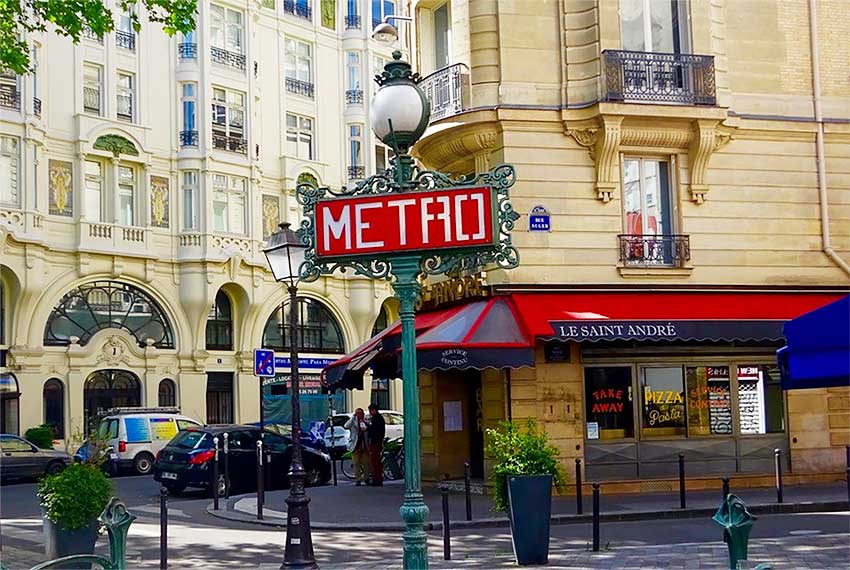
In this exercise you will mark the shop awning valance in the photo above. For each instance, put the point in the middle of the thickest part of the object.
(480, 334)
(659, 315)
(817, 351)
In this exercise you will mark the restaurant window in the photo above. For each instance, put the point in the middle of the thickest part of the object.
(709, 400)
(609, 401)
(54, 407)
(9, 169)
(663, 395)
(761, 408)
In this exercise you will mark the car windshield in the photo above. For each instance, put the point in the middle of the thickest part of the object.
(339, 421)
(190, 439)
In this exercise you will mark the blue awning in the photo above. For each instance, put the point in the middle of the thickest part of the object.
(817, 351)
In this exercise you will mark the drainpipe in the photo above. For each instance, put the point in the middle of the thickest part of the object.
(821, 159)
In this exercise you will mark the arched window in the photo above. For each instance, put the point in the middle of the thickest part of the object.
(382, 322)
(318, 330)
(9, 404)
(167, 393)
(94, 306)
(54, 407)
(220, 324)
(104, 389)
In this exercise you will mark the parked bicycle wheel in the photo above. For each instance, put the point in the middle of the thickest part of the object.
(347, 465)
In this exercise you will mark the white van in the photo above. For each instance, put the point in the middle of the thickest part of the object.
(137, 434)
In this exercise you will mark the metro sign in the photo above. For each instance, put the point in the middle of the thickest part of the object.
(445, 219)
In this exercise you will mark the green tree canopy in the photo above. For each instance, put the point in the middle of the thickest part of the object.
(71, 17)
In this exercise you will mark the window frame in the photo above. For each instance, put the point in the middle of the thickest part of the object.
(220, 322)
(59, 387)
(189, 106)
(355, 144)
(232, 196)
(190, 205)
(97, 85)
(304, 326)
(297, 136)
(159, 393)
(100, 178)
(13, 191)
(128, 93)
(229, 110)
(293, 60)
(681, 27)
(226, 25)
(125, 189)
(354, 70)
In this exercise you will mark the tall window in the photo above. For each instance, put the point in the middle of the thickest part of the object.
(318, 330)
(220, 324)
(93, 197)
(226, 30)
(299, 136)
(229, 203)
(167, 393)
(126, 195)
(125, 36)
(10, 182)
(54, 407)
(380, 9)
(126, 96)
(761, 404)
(353, 70)
(654, 26)
(299, 61)
(219, 397)
(381, 393)
(9, 95)
(442, 36)
(609, 402)
(355, 145)
(92, 88)
(383, 155)
(663, 394)
(190, 199)
(188, 98)
(228, 120)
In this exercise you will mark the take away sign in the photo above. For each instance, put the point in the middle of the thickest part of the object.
(452, 218)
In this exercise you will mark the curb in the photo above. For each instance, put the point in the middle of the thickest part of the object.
(495, 522)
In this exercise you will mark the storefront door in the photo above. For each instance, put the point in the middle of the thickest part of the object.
(105, 389)
(454, 423)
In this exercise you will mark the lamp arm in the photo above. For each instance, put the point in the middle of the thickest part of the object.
(389, 17)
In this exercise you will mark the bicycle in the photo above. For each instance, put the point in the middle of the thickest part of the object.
(392, 461)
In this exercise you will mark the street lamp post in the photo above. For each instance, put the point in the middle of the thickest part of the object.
(285, 254)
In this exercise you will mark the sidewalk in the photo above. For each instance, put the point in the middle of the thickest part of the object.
(348, 507)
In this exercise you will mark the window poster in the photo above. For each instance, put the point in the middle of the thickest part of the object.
(137, 430)
(608, 402)
(163, 428)
(592, 430)
(709, 400)
(453, 415)
(663, 401)
(750, 395)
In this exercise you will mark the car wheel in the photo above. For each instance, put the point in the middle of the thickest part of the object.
(54, 467)
(143, 463)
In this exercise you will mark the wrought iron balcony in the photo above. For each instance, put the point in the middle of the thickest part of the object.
(126, 40)
(89, 34)
(299, 87)
(224, 57)
(356, 172)
(230, 143)
(354, 96)
(298, 8)
(188, 138)
(10, 99)
(659, 77)
(352, 22)
(654, 251)
(447, 90)
(187, 50)
(36, 106)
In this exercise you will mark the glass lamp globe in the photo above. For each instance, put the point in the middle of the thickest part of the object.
(285, 253)
(400, 111)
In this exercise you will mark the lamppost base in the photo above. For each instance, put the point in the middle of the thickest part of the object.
(414, 513)
(298, 554)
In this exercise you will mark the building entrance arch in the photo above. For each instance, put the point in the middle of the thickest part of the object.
(109, 388)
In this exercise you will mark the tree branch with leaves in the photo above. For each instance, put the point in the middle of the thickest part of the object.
(72, 17)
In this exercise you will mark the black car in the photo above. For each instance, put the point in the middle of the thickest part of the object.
(187, 460)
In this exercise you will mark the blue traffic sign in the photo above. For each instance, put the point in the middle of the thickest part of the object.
(263, 363)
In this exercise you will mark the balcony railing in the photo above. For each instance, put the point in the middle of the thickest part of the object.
(36, 106)
(224, 57)
(88, 33)
(298, 8)
(354, 96)
(654, 251)
(356, 172)
(187, 50)
(352, 22)
(299, 87)
(188, 138)
(10, 99)
(447, 90)
(230, 143)
(126, 40)
(659, 77)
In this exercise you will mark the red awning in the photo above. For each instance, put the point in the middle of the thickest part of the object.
(748, 315)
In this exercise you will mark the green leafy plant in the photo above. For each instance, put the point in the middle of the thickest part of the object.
(518, 452)
(73, 498)
(41, 436)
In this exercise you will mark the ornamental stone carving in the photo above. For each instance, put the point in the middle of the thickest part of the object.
(159, 202)
(113, 353)
(61, 188)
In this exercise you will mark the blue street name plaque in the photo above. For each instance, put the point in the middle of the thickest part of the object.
(539, 220)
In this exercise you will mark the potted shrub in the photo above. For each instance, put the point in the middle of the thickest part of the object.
(72, 501)
(525, 467)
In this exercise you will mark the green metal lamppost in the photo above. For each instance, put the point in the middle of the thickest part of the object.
(400, 115)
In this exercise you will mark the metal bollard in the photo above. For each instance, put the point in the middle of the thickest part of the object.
(215, 474)
(163, 528)
(260, 480)
(467, 490)
(333, 464)
(596, 517)
(579, 506)
(447, 538)
(725, 487)
(777, 456)
(681, 480)
(847, 470)
(226, 467)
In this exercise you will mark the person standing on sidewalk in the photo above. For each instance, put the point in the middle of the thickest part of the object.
(357, 445)
(376, 431)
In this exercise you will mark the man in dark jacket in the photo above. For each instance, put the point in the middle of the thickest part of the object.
(375, 436)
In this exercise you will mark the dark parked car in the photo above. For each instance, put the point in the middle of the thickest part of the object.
(21, 459)
(187, 460)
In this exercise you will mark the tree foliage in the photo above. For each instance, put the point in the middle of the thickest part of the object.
(71, 17)
(40, 436)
